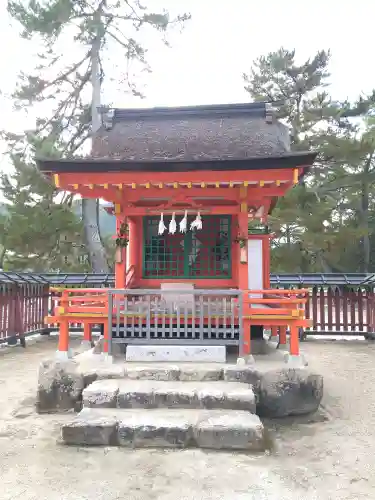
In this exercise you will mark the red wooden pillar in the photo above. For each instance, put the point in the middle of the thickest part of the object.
(294, 340)
(243, 271)
(243, 276)
(134, 247)
(120, 257)
(282, 337)
(87, 332)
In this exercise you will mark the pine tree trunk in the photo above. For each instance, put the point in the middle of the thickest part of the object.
(90, 207)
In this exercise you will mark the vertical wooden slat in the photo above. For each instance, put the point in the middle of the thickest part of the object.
(2, 312)
(308, 306)
(369, 303)
(361, 298)
(372, 312)
(322, 303)
(6, 308)
(315, 308)
(353, 298)
(337, 302)
(330, 308)
(345, 309)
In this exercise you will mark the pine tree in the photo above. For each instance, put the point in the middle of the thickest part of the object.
(71, 80)
(312, 220)
(37, 232)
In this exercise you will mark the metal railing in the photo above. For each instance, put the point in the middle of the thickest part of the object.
(108, 279)
(186, 316)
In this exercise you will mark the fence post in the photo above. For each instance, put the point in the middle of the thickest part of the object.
(107, 337)
(44, 309)
(63, 345)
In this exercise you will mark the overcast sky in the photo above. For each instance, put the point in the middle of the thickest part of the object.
(207, 60)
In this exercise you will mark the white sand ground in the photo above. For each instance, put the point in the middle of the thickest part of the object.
(328, 457)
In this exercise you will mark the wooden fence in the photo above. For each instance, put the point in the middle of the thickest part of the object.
(341, 311)
(22, 310)
(333, 310)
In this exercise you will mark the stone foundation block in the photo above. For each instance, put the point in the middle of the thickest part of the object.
(155, 428)
(230, 430)
(168, 428)
(101, 394)
(195, 395)
(139, 372)
(91, 429)
(60, 387)
(201, 373)
(176, 353)
(97, 370)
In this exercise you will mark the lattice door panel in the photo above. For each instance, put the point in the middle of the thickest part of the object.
(196, 254)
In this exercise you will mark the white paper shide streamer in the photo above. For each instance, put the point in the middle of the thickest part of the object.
(183, 223)
(172, 224)
(162, 226)
(197, 223)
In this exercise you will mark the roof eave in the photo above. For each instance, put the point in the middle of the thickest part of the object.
(87, 165)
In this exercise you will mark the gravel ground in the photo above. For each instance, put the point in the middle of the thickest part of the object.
(330, 456)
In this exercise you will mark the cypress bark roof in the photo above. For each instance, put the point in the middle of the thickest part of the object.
(196, 133)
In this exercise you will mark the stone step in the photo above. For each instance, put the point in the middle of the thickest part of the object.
(176, 353)
(92, 370)
(167, 428)
(125, 393)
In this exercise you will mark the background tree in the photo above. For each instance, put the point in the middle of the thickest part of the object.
(102, 35)
(316, 220)
(36, 232)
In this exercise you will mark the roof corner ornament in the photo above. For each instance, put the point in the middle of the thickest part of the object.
(270, 113)
(107, 115)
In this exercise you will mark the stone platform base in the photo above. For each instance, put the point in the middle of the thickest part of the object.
(170, 428)
(280, 390)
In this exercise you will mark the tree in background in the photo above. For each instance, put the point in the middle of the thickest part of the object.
(317, 221)
(36, 232)
(101, 35)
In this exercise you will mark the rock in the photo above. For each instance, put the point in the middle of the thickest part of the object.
(60, 386)
(280, 392)
(246, 360)
(260, 346)
(230, 430)
(248, 374)
(295, 361)
(91, 428)
(289, 391)
(117, 349)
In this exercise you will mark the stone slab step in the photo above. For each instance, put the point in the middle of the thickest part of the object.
(122, 393)
(176, 353)
(168, 428)
(93, 370)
